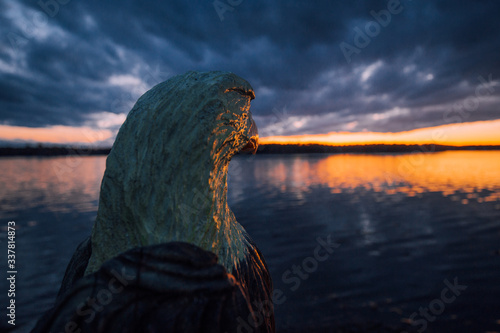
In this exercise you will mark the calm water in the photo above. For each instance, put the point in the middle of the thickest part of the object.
(403, 224)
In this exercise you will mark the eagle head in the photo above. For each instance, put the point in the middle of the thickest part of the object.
(166, 175)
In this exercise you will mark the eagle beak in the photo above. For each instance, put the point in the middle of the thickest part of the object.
(253, 143)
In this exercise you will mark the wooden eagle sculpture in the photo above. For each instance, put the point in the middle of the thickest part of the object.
(166, 253)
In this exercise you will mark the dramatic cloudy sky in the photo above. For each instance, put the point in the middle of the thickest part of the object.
(316, 66)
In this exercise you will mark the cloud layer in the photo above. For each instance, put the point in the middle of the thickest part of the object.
(317, 67)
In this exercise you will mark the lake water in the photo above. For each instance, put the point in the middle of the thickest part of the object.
(406, 228)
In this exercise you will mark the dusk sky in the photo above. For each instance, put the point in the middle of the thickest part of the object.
(70, 70)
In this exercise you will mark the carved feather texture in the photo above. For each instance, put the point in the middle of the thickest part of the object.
(174, 287)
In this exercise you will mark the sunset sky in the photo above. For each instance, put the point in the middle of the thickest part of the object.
(334, 72)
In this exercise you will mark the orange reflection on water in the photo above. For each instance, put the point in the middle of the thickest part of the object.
(450, 173)
(59, 183)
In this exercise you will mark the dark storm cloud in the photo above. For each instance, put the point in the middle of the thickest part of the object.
(63, 61)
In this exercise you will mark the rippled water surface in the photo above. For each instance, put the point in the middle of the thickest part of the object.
(404, 228)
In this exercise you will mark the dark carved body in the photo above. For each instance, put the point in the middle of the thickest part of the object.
(173, 287)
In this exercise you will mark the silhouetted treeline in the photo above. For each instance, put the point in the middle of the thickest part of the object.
(315, 148)
(51, 151)
(263, 149)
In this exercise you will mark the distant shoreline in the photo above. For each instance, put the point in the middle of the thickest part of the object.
(263, 149)
(52, 151)
(368, 149)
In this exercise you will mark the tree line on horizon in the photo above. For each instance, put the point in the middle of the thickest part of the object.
(40, 150)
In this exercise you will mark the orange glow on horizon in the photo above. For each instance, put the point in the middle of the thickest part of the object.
(54, 134)
(462, 134)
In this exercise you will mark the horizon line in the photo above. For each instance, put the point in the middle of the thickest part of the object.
(479, 133)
